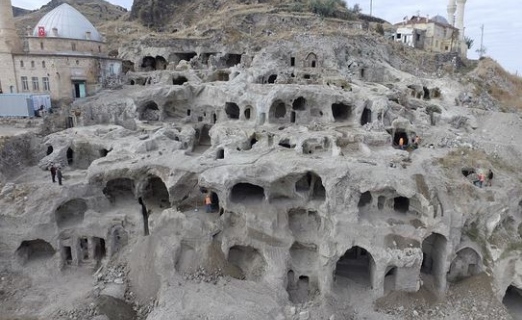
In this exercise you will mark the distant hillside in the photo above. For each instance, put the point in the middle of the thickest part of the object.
(97, 11)
(19, 11)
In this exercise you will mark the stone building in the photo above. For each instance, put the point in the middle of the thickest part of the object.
(64, 56)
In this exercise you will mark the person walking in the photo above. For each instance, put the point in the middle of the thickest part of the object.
(53, 172)
(208, 203)
(59, 176)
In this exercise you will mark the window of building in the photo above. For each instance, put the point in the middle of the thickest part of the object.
(21, 63)
(36, 85)
(418, 37)
(73, 46)
(32, 64)
(25, 84)
(43, 64)
(46, 85)
(398, 35)
(41, 45)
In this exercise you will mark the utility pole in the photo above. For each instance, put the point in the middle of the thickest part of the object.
(371, 7)
(482, 50)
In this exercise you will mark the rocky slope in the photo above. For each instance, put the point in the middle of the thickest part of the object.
(289, 126)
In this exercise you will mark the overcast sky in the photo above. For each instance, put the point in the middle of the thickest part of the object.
(502, 22)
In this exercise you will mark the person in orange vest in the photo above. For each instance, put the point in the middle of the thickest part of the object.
(481, 177)
(208, 203)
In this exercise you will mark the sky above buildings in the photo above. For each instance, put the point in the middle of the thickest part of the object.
(502, 23)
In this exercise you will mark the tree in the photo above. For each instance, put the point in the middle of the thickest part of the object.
(379, 28)
(356, 8)
(469, 42)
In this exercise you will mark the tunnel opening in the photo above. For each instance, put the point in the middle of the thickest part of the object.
(35, 250)
(119, 190)
(466, 264)
(67, 254)
(148, 63)
(400, 134)
(513, 301)
(366, 116)
(248, 112)
(70, 213)
(100, 251)
(103, 153)
(156, 193)
(467, 171)
(84, 249)
(401, 204)
(299, 104)
(298, 289)
(319, 192)
(70, 156)
(247, 193)
(277, 111)
(311, 60)
(272, 78)
(161, 63)
(390, 279)
(341, 112)
(247, 263)
(204, 138)
(232, 59)
(357, 265)
(232, 110)
(49, 150)
(187, 56)
(305, 183)
(150, 112)
(285, 143)
(292, 117)
(178, 81)
(433, 256)
(365, 199)
(426, 95)
(220, 154)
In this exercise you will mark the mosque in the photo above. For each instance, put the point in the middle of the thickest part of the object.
(63, 56)
(436, 34)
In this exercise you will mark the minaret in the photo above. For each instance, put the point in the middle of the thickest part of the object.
(9, 43)
(460, 17)
(452, 8)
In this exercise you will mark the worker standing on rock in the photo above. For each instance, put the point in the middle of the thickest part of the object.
(208, 203)
(401, 143)
(53, 172)
(59, 176)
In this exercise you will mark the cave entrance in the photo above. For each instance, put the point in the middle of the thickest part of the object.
(299, 104)
(161, 63)
(220, 154)
(67, 254)
(178, 81)
(467, 263)
(187, 56)
(49, 150)
(119, 190)
(204, 138)
(246, 263)
(103, 153)
(150, 112)
(232, 110)
(248, 112)
(357, 265)
(70, 156)
(311, 184)
(84, 249)
(341, 112)
(298, 288)
(100, 250)
(292, 117)
(390, 279)
(366, 116)
(70, 213)
(118, 239)
(35, 250)
(232, 59)
(433, 257)
(399, 133)
(311, 60)
(401, 204)
(247, 193)
(277, 111)
(156, 194)
(272, 78)
(513, 301)
(148, 63)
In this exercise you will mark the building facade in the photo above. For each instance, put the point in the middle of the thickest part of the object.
(64, 56)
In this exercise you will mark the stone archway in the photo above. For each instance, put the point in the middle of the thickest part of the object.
(70, 213)
(467, 263)
(155, 193)
(246, 263)
(34, 250)
(356, 267)
(433, 265)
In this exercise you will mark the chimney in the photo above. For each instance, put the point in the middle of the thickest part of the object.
(55, 32)
(88, 35)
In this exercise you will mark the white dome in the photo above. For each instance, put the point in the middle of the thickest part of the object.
(70, 24)
(440, 19)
